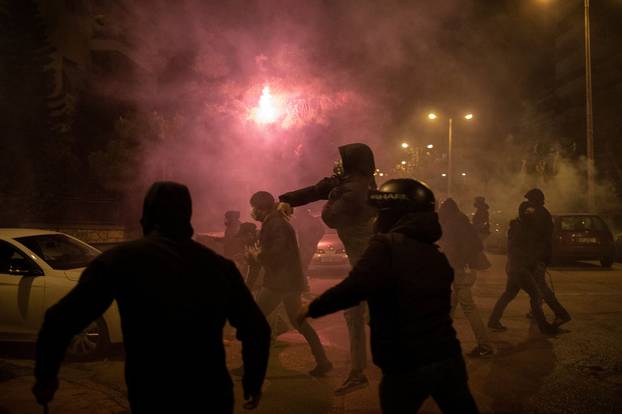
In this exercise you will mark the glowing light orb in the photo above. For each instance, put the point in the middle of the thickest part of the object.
(404, 145)
(432, 116)
(267, 112)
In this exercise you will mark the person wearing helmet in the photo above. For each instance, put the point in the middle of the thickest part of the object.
(462, 246)
(347, 211)
(283, 281)
(542, 245)
(519, 269)
(406, 280)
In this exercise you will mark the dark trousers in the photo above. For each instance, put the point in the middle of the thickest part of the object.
(445, 381)
(547, 294)
(516, 281)
(268, 300)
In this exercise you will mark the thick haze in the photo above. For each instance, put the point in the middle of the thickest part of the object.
(338, 72)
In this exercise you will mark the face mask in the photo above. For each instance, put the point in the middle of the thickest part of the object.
(257, 215)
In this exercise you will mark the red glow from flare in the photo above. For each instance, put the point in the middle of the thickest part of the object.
(266, 111)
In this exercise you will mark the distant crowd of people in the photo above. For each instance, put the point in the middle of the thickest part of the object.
(412, 265)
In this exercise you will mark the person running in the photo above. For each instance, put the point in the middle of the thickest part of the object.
(283, 281)
(462, 246)
(166, 286)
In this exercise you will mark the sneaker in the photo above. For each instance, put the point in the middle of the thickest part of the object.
(481, 351)
(559, 321)
(238, 372)
(321, 369)
(352, 383)
(496, 326)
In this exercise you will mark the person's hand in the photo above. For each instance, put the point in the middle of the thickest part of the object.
(285, 209)
(252, 400)
(303, 314)
(44, 390)
(254, 251)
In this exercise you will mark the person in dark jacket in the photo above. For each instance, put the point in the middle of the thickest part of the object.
(542, 243)
(462, 245)
(519, 268)
(168, 288)
(406, 281)
(310, 231)
(481, 218)
(347, 211)
(283, 280)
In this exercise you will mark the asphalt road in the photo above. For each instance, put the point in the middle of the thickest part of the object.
(579, 371)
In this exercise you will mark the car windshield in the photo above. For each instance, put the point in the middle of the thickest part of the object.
(582, 223)
(60, 251)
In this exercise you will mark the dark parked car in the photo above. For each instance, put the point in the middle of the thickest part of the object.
(583, 237)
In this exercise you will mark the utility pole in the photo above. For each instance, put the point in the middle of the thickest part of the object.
(589, 119)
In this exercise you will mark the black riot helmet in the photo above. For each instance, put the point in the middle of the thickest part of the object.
(404, 194)
(397, 198)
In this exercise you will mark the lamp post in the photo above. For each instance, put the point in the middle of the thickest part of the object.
(589, 118)
(450, 137)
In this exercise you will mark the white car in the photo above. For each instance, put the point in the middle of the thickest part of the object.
(37, 268)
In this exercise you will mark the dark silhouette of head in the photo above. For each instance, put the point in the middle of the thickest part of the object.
(535, 196)
(448, 208)
(399, 197)
(232, 217)
(525, 210)
(263, 203)
(167, 210)
(480, 202)
(357, 159)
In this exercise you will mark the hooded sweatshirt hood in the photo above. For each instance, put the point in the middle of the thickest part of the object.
(357, 159)
(167, 209)
(421, 226)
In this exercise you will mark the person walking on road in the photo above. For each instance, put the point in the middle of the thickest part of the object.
(520, 266)
(406, 281)
(283, 281)
(347, 211)
(166, 286)
(463, 249)
(542, 244)
(481, 218)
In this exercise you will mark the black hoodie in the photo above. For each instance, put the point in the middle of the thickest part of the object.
(407, 284)
(174, 296)
(347, 194)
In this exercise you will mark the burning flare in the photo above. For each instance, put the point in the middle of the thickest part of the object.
(266, 112)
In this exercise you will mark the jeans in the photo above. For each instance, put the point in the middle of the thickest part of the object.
(268, 300)
(539, 275)
(445, 381)
(355, 241)
(462, 295)
(518, 280)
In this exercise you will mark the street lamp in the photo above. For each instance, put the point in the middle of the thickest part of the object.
(589, 113)
(429, 146)
(405, 145)
(432, 116)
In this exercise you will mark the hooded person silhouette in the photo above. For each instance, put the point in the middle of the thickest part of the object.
(174, 296)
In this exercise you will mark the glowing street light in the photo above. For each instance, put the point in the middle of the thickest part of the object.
(444, 175)
(405, 145)
(450, 167)
(429, 146)
(464, 174)
(403, 162)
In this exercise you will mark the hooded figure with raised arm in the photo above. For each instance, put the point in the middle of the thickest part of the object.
(347, 211)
